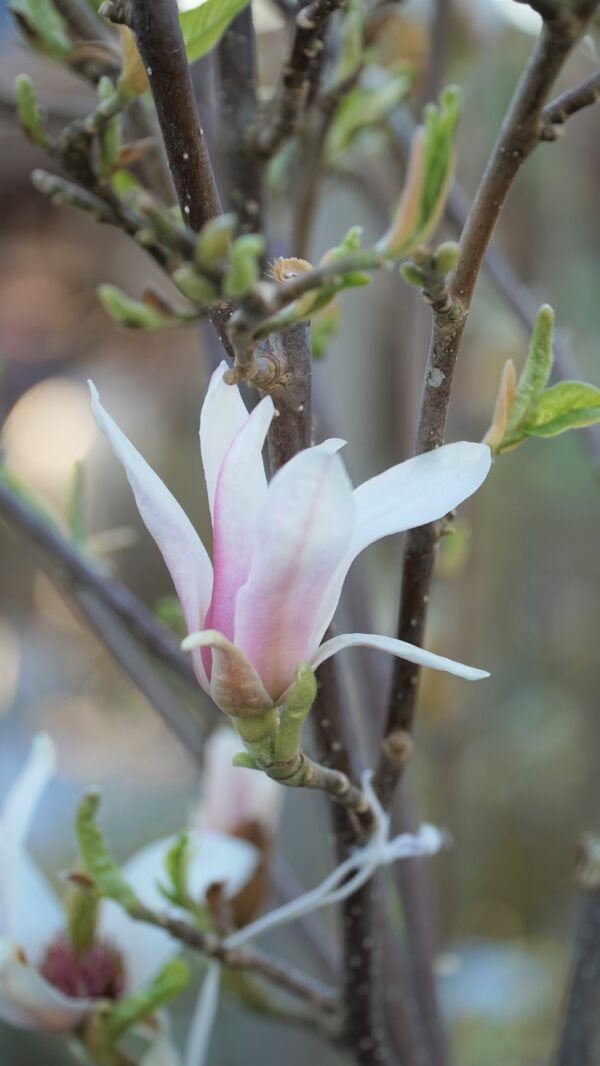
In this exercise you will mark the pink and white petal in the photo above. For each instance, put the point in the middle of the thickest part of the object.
(181, 547)
(401, 648)
(418, 491)
(213, 857)
(240, 492)
(304, 527)
(410, 494)
(223, 415)
(30, 913)
(231, 796)
(28, 1001)
(234, 683)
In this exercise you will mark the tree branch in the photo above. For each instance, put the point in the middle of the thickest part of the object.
(519, 135)
(310, 28)
(569, 103)
(579, 1043)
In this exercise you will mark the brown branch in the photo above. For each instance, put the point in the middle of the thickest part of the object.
(579, 1043)
(569, 103)
(310, 30)
(79, 572)
(155, 25)
(519, 135)
(237, 66)
(284, 974)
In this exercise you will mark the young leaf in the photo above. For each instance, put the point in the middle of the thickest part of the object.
(43, 26)
(172, 980)
(176, 864)
(75, 506)
(535, 372)
(96, 854)
(351, 48)
(363, 108)
(204, 25)
(244, 264)
(568, 405)
(29, 112)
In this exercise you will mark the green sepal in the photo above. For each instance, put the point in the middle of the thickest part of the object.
(29, 112)
(96, 854)
(172, 980)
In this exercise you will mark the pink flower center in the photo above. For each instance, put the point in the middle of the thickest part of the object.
(97, 973)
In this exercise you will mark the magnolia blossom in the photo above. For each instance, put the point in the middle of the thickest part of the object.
(282, 550)
(232, 802)
(43, 984)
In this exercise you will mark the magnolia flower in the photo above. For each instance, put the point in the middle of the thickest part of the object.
(282, 550)
(246, 805)
(44, 984)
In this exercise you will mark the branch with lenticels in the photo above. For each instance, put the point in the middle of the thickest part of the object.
(521, 132)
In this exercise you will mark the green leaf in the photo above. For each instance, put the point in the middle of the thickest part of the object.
(130, 313)
(97, 857)
(362, 108)
(123, 182)
(75, 506)
(43, 26)
(172, 980)
(351, 48)
(176, 864)
(203, 26)
(568, 405)
(214, 241)
(440, 125)
(535, 372)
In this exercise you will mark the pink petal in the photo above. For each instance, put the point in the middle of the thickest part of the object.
(234, 684)
(177, 540)
(28, 1001)
(303, 529)
(401, 649)
(240, 492)
(223, 415)
(30, 913)
(410, 494)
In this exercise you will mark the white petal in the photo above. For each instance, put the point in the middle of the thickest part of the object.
(28, 1001)
(240, 491)
(179, 544)
(29, 911)
(418, 491)
(303, 529)
(214, 857)
(410, 494)
(162, 1051)
(223, 415)
(401, 649)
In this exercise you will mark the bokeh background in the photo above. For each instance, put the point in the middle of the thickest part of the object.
(510, 766)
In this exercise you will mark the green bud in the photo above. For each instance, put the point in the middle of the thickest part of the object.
(445, 257)
(197, 288)
(214, 241)
(413, 275)
(29, 112)
(133, 314)
(244, 264)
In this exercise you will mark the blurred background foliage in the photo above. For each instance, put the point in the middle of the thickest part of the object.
(510, 767)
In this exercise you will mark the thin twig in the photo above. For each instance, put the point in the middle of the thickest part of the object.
(60, 553)
(569, 103)
(311, 26)
(518, 137)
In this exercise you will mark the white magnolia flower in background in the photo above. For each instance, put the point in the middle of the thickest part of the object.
(282, 550)
(231, 801)
(43, 984)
